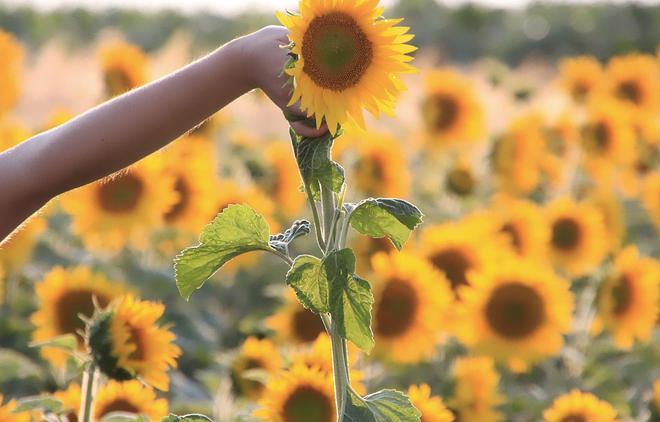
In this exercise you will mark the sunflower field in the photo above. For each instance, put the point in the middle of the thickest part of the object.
(482, 245)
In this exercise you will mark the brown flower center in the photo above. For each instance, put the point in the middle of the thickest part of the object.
(454, 264)
(370, 172)
(121, 194)
(599, 137)
(460, 181)
(117, 82)
(182, 188)
(630, 91)
(71, 305)
(336, 51)
(574, 418)
(440, 112)
(622, 295)
(306, 404)
(515, 310)
(397, 309)
(118, 405)
(514, 235)
(306, 325)
(580, 91)
(565, 234)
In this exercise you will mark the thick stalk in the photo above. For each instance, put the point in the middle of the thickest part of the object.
(340, 370)
(317, 220)
(90, 383)
(328, 204)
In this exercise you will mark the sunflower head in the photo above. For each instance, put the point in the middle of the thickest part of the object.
(256, 356)
(124, 67)
(432, 407)
(634, 79)
(581, 76)
(293, 323)
(130, 397)
(475, 396)
(346, 58)
(127, 342)
(578, 406)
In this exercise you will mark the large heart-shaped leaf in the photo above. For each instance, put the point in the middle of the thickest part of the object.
(394, 218)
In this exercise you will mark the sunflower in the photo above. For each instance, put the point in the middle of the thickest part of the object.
(284, 180)
(579, 406)
(190, 162)
(451, 110)
(131, 397)
(651, 197)
(431, 407)
(523, 224)
(7, 411)
(347, 58)
(475, 396)
(127, 342)
(613, 215)
(122, 209)
(16, 251)
(124, 67)
(515, 312)
(457, 247)
(608, 134)
(635, 80)
(11, 56)
(518, 155)
(293, 323)
(581, 76)
(412, 300)
(628, 299)
(319, 355)
(301, 394)
(578, 237)
(381, 168)
(461, 179)
(255, 356)
(64, 295)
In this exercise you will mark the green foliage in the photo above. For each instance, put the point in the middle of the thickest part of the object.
(350, 299)
(394, 218)
(193, 417)
(236, 230)
(382, 406)
(124, 417)
(66, 342)
(46, 403)
(317, 168)
(308, 279)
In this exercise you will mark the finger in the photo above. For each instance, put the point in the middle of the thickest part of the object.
(302, 129)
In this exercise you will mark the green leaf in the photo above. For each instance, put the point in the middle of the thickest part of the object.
(350, 299)
(382, 406)
(193, 417)
(66, 342)
(308, 279)
(315, 163)
(394, 218)
(48, 404)
(124, 417)
(236, 230)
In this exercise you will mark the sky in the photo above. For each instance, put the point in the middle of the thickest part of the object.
(237, 6)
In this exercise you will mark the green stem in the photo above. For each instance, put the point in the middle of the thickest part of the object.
(317, 220)
(285, 257)
(329, 211)
(340, 370)
(90, 383)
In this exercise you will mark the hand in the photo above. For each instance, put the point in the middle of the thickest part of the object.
(265, 59)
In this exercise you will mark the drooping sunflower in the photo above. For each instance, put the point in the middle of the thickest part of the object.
(651, 197)
(635, 80)
(578, 237)
(284, 181)
(581, 76)
(432, 407)
(124, 67)
(130, 397)
(255, 355)
(412, 301)
(11, 56)
(518, 155)
(127, 342)
(475, 397)
(122, 209)
(628, 299)
(457, 247)
(190, 161)
(64, 295)
(579, 406)
(7, 412)
(293, 323)
(451, 111)
(348, 58)
(380, 168)
(301, 394)
(515, 312)
(523, 224)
